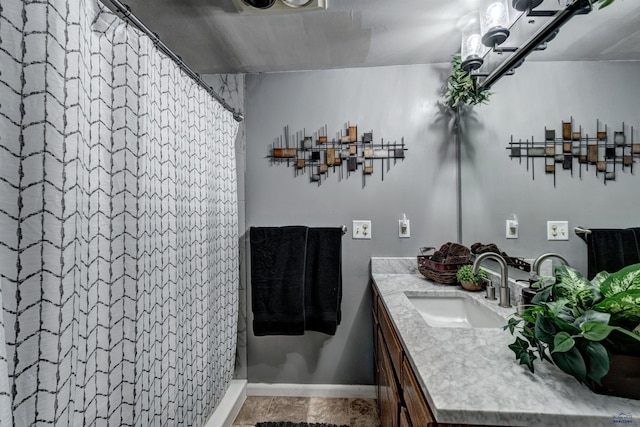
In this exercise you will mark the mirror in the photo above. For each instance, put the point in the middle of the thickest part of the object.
(587, 74)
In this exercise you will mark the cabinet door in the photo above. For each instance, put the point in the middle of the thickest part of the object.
(417, 405)
(391, 339)
(389, 401)
(404, 418)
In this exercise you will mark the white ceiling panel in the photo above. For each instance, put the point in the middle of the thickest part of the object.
(212, 37)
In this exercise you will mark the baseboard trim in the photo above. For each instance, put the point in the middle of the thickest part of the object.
(229, 406)
(312, 390)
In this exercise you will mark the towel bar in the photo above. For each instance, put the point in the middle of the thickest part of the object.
(580, 230)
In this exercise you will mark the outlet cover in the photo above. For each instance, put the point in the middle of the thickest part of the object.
(557, 230)
(361, 228)
(512, 229)
(404, 228)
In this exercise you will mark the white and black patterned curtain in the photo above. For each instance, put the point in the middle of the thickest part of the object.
(118, 226)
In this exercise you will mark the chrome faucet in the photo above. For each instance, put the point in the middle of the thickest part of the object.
(505, 295)
(538, 261)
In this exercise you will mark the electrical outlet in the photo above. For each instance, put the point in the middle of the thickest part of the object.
(557, 230)
(404, 228)
(361, 229)
(512, 229)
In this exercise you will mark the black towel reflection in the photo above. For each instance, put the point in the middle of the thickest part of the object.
(610, 249)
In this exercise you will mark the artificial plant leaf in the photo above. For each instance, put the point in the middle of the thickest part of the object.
(527, 359)
(626, 279)
(624, 308)
(544, 329)
(531, 312)
(529, 333)
(592, 315)
(599, 361)
(541, 347)
(572, 363)
(599, 278)
(587, 298)
(556, 308)
(562, 342)
(542, 296)
(519, 346)
(511, 325)
(569, 282)
(595, 331)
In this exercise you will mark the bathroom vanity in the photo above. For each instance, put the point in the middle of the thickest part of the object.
(433, 369)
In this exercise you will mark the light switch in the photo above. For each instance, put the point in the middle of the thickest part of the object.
(361, 229)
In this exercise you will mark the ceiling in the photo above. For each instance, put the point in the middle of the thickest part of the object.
(212, 37)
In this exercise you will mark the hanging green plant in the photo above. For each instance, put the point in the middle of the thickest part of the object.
(461, 87)
(601, 3)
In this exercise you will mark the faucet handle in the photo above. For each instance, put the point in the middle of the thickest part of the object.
(491, 292)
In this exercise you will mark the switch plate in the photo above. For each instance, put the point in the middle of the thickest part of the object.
(404, 228)
(557, 230)
(361, 228)
(512, 229)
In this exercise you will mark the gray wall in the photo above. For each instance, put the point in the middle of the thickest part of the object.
(395, 102)
(402, 101)
(539, 95)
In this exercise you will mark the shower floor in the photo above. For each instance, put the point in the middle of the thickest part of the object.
(351, 412)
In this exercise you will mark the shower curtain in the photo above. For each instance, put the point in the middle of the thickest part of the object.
(118, 226)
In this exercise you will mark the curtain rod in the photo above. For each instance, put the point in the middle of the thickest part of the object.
(126, 11)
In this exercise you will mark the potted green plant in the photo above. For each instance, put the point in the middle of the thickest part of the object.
(601, 3)
(461, 87)
(469, 280)
(585, 327)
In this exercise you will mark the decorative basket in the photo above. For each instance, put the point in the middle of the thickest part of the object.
(438, 272)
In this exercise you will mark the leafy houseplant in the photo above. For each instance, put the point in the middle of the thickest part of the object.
(601, 3)
(579, 324)
(461, 87)
(469, 280)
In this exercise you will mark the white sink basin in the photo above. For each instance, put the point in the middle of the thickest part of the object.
(456, 312)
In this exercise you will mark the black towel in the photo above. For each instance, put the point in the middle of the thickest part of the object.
(610, 249)
(277, 279)
(296, 279)
(323, 280)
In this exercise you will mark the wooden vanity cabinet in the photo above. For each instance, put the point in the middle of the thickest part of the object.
(400, 399)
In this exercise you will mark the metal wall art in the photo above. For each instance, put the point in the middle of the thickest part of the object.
(605, 152)
(344, 154)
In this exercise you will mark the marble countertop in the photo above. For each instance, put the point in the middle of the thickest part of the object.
(470, 376)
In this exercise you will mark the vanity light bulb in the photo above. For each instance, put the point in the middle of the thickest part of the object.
(474, 45)
(494, 20)
(472, 50)
(495, 14)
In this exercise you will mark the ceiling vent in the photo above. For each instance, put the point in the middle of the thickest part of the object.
(278, 6)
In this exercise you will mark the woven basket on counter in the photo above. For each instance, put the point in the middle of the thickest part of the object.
(439, 272)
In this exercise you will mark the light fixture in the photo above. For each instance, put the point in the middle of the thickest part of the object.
(260, 4)
(535, 28)
(278, 6)
(522, 5)
(472, 50)
(494, 20)
(297, 3)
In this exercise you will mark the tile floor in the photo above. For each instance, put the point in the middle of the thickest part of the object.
(350, 412)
